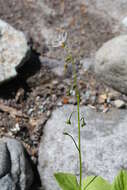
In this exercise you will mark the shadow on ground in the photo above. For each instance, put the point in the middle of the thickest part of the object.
(9, 88)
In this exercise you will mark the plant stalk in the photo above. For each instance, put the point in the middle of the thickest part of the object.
(78, 112)
(79, 140)
(79, 126)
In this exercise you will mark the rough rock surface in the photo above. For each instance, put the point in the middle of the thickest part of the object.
(104, 145)
(13, 50)
(87, 28)
(116, 8)
(111, 63)
(15, 170)
(4, 159)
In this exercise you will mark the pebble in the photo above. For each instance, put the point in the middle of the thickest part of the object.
(54, 97)
(30, 111)
(113, 95)
(15, 129)
(37, 98)
(55, 82)
(102, 99)
(48, 113)
(119, 103)
(59, 104)
(72, 92)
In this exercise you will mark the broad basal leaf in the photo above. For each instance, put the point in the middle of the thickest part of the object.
(67, 181)
(96, 183)
(120, 183)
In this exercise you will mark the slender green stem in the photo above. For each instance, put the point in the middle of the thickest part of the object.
(79, 126)
(79, 138)
(78, 111)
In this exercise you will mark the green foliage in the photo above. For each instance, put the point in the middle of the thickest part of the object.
(95, 183)
(120, 183)
(67, 181)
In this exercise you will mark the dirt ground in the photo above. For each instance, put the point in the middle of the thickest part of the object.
(27, 101)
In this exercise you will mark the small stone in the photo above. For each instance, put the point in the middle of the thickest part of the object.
(65, 100)
(102, 99)
(20, 95)
(30, 111)
(54, 97)
(113, 95)
(37, 98)
(105, 110)
(119, 103)
(16, 128)
(59, 104)
(48, 113)
(72, 92)
(55, 82)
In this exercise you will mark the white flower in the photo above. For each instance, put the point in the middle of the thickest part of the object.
(59, 39)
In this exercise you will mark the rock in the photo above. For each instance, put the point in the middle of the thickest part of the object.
(15, 169)
(6, 183)
(112, 95)
(111, 63)
(5, 161)
(119, 103)
(102, 98)
(116, 9)
(104, 144)
(13, 50)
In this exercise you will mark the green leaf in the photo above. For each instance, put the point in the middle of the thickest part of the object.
(95, 183)
(120, 183)
(67, 181)
(68, 59)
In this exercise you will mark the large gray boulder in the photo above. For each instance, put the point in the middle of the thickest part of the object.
(13, 50)
(104, 145)
(116, 9)
(111, 63)
(15, 169)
